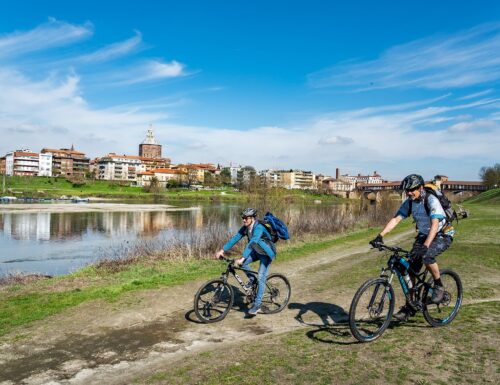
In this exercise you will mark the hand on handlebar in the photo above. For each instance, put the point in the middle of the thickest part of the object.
(238, 262)
(219, 254)
(377, 241)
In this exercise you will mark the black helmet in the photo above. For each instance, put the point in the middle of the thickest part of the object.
(411, 182)
(249, 212)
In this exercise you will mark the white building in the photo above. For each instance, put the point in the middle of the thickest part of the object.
(45, 164)
(22, 162)
(120, 167)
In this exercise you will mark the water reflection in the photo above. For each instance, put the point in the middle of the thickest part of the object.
(56, 243)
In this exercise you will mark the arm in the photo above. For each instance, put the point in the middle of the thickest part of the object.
(229, 244)
(432, 232)
(391, 225)
(257, 238)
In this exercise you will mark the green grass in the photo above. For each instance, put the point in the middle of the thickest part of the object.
(412, 353)
(490, 197)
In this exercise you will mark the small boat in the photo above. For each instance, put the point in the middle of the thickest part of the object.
(77, 199)
(7, 199)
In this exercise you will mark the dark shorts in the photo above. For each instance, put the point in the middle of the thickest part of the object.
(438, 246)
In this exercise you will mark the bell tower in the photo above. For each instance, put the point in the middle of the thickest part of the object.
(150, 148)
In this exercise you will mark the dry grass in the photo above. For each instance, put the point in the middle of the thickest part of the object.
(303, 222)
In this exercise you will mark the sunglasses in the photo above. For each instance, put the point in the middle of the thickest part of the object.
(245, 218)
(412, 189)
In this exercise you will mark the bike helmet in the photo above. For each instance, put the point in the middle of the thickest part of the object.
(412, 182)
(249, 212)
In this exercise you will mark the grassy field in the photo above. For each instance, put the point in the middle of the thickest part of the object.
(465, 352)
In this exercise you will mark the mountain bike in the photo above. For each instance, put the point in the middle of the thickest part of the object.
(373, 304)
(215, 298)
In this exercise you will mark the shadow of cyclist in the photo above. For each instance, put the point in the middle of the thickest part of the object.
(333, 326)
(326, 312)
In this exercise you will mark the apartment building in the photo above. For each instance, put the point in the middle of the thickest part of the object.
(364, 179)
(196, 171)
(22, 162)
(270, 178)
(119, 167)
(163, 176)
(2, 165)
(68, 162)
(298, 179)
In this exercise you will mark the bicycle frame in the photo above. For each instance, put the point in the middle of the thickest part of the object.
(231, 269)
(413, 295)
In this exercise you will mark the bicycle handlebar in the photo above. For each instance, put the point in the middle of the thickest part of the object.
(381, 246)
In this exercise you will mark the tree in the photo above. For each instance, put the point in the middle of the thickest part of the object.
(490, 176)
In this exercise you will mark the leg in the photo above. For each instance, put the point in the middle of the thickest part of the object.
(438, 245)
(246, 266)
(265, 262)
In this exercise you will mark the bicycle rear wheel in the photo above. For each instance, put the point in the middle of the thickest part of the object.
(276, 293)
(443, 313)
(213, 301)
(371, 309)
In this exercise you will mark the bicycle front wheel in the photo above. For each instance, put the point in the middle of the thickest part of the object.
(213, 301)
(371, 309)
(276, 294)
(443, 313)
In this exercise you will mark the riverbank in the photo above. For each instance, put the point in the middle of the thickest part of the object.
(54, 188)
(27, 208)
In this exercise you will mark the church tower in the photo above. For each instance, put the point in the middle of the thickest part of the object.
(150, 148)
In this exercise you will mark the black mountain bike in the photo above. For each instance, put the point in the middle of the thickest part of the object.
(215, 298)
(373, 304)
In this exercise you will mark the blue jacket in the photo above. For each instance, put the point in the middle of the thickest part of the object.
(259, 241)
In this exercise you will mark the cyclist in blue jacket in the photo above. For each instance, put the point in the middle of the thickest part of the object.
(259, 248)
(433, 238)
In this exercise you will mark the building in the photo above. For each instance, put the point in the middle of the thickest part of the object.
(196, 171)
(365, 179)
(150, 148)
(68, 162)
(270, 178)
(2, 165)
(22, 163)
(298, 179)
(163, 176)
(119, 167)
(45, 164)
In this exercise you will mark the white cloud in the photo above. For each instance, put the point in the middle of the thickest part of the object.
(464, 59)
(49, 35)
(148, 71)
(474, 125)
(114, 50)
(335, 140)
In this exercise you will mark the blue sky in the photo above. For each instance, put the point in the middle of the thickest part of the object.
(385, 86)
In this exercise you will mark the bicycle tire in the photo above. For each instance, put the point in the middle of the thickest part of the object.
(442, 314)
(276, 293)
(213, 301)
(369, 327)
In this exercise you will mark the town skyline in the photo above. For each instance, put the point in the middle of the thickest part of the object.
(396, 89)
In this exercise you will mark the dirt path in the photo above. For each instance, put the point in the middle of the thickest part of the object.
(102, 343)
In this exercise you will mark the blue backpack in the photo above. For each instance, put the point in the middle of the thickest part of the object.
(276, 227)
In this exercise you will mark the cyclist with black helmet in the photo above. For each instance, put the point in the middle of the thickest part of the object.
(259, 248)
(430, 240)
